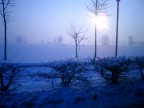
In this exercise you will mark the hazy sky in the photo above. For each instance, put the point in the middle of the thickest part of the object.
(41, 21)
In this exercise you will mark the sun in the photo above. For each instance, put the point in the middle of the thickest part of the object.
(100, 21)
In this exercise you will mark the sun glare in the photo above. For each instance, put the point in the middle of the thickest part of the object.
(101, 21)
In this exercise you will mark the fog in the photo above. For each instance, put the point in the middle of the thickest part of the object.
(43, 21)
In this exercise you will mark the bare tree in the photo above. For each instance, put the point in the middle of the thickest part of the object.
(131, 40)
(105, 40)
(97, 7)
(77, 34)
(55, 41)
(4, 12)
(60, 39)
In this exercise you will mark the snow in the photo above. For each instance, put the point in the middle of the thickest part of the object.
(41, 84)
(36, 53)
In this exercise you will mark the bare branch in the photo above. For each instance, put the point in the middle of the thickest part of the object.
(77, 34)
(1, 13)
(8, 3)
(98, 6)
(82, 37)
(4, 6)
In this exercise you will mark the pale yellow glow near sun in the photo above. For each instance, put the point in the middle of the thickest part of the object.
(101, 21)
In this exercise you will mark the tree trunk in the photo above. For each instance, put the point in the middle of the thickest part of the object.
(5, 38)
(1, 80)
(95, 53)
(114, 78)
(76, 51)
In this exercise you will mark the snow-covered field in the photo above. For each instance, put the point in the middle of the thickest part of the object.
(41, 85)
(49, 52)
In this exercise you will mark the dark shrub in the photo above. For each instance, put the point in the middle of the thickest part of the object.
(112, 68)
(139, 61)
(7, 74)
(68, 70)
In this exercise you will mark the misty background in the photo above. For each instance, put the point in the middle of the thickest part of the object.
(43, 21)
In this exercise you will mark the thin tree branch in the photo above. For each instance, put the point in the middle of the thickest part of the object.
(98, 6)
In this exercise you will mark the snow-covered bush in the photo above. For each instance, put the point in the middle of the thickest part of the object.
(68, 70)
(139, 61)
(7, 74)
(112, 68)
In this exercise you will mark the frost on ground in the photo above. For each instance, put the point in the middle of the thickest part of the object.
(128, 95)
(42, 86)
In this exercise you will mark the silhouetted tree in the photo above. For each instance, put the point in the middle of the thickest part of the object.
(60, 39)
(4, 12)
(77, 34)
(55, 41)
(105, 40)
(131, 40)
(97, 7)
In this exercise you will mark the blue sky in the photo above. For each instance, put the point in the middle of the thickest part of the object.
(43, 20)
